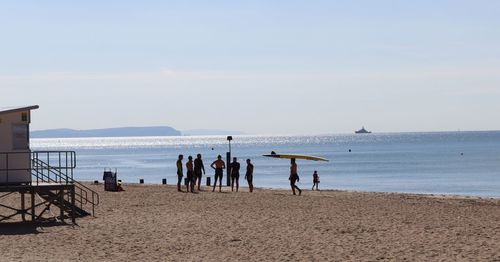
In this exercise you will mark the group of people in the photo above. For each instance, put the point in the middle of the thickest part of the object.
(196, 169)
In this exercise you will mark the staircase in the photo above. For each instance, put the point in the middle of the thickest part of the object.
(62, 203)
(56, 167)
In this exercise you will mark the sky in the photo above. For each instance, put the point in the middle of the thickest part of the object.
(261, 67)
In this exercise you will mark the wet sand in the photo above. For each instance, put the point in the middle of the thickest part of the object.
(156, 223)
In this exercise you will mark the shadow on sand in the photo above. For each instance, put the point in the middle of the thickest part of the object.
(27, 228)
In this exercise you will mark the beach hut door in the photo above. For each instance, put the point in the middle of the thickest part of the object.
(20, 137)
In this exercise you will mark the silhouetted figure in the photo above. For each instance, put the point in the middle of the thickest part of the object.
(179, 172)
(235, 174)
(198, 168)
(190, 175)
(219, 166)
(294, 177)
(249, 175)
(315, 180)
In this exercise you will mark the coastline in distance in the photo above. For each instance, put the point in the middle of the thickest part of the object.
(127, 132)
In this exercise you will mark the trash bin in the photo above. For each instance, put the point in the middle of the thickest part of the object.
(110, 180)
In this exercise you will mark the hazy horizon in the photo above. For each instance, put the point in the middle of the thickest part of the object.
(242, 133)
(259, 67)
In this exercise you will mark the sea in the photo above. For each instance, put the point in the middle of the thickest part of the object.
(449, 163)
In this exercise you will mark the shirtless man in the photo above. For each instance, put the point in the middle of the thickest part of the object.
(294, 177)
(190, 175)
(198, 168)
(235, 174)
(179, 172)
(219, 166)
(249, 175)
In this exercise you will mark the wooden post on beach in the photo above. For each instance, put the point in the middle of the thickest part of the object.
(23, 212)
(164, 181)
(73, 206)
(33, 214)
(208, 181)
(61, 200)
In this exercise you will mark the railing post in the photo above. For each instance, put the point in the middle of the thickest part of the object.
(59, 166)
(73, 158)
(66, 160)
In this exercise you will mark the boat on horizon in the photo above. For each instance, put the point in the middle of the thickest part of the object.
(363, 131)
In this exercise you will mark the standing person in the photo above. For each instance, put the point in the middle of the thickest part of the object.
(198, 167)
(219, 166)
(294, 177)
(190, 175)
(315, 180)
(235, 174)
(179, 172)
(249, 175)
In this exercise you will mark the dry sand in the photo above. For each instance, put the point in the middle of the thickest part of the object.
(156, 223)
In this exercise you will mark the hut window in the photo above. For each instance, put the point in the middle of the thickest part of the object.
(24, 117)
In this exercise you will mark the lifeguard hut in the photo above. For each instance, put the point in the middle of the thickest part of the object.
(15, 161)
(48, 174)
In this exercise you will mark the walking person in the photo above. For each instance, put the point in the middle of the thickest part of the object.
(190, 175)
(315, 180)
(219, 166)
(179, 172)
(235, 174)
(198, 168)
(294, 177)
(249, 175)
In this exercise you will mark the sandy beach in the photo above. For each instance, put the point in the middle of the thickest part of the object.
(156, 223)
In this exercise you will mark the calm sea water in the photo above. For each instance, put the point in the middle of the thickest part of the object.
(461, 163)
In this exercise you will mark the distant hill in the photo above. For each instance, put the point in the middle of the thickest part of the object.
(210, 132)
(107, 132)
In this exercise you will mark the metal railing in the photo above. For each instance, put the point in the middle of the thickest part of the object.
(45, 173)
(64, 162)
(46, 167)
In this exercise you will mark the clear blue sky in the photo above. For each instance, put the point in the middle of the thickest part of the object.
(264, 67)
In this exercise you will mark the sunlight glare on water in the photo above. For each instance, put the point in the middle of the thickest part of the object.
(466, 163)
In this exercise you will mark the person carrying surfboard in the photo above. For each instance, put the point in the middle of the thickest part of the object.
(219, 166)
(294, 177)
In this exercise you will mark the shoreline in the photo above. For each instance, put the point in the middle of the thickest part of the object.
(443, 195)
(157, 223)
